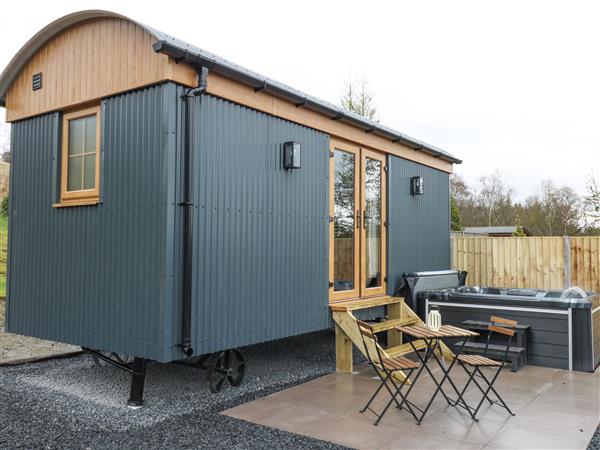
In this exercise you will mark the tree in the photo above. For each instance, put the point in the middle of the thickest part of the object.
(456, 223)
(359, 100)
(592, 201)
(489, 203)
(519, 231)
(459, 190)
(554, 211)
(494, 200)
(5, 141)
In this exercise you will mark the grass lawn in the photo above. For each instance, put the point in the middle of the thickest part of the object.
(3, 241)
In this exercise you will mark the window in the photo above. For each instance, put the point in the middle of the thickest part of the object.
(80, 167)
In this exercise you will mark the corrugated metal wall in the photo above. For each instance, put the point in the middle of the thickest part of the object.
(108, 276)
(261, 231)
(98, 276)
(418, 225)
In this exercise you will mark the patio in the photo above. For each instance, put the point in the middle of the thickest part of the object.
(554, 409)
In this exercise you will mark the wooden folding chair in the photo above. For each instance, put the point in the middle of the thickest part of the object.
(497, 325)
(385, 369)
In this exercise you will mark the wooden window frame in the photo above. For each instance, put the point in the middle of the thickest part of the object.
(84, 196)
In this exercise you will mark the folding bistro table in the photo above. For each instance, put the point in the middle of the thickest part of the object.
(432, 341)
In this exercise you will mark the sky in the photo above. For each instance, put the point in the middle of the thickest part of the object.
(504, 85)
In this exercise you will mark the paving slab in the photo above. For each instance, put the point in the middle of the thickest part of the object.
(554, 409)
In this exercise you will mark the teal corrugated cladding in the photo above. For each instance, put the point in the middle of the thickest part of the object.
(261, 232)
(108, 276)
(98, 276)
(418, 225)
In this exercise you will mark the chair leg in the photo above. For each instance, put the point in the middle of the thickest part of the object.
(496, 392)
(466, 386)
(394, 399)
(404, 397)
(491, 388)
(481, 389)
(383, 383)
(460, 401)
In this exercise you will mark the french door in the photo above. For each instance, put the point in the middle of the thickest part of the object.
(357, 232)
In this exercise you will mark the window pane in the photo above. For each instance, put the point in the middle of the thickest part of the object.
(75, 169)
(343, 224)
(89, 172)
(90, 134)
(76, 136)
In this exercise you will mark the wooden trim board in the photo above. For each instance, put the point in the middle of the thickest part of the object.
(236, 92)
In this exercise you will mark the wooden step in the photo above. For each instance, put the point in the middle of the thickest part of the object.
(392, 323)
(405, 349)
(364, 303)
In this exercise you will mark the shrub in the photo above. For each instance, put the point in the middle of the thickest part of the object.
(4, 206)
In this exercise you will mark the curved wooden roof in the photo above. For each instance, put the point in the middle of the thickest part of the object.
(88, 55)
(83, 57)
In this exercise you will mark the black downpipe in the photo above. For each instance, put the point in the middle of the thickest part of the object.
(187, 202)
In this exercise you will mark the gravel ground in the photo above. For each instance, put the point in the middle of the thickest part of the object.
(72, 403)
(595, 442)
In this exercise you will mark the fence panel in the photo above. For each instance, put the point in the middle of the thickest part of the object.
(529, 262)
(585, 262)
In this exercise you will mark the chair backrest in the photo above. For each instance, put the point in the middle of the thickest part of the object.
(366, 332)
(502, 326)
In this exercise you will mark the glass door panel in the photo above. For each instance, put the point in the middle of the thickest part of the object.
(345, 227)
(373, 233)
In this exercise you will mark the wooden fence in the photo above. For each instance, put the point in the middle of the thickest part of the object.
(529, 262)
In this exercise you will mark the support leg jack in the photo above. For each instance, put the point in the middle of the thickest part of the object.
(138, 376)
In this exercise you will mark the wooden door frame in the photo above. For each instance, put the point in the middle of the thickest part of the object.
(360, 155)
(355, 150)
(381, 290)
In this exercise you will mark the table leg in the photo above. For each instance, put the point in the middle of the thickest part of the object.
(460, 399)
(431, 346)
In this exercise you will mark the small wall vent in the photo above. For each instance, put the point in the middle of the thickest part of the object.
(37, 81)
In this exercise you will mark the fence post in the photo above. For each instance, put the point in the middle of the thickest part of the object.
(567, 261)
(452, 261)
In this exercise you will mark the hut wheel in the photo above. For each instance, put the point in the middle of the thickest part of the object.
(227, 365)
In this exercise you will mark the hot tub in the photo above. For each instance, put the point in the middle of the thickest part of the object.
(565, 324)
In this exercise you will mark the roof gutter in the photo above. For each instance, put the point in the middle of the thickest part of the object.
(263, 84)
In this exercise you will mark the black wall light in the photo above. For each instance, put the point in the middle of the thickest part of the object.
(416, 186)
(291, 155)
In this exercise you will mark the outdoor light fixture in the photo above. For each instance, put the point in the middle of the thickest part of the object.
(291, 155)
(416, 186)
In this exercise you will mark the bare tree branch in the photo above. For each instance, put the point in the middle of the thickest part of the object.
(359, 100)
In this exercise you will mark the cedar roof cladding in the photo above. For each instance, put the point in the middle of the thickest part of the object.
(198, 57)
